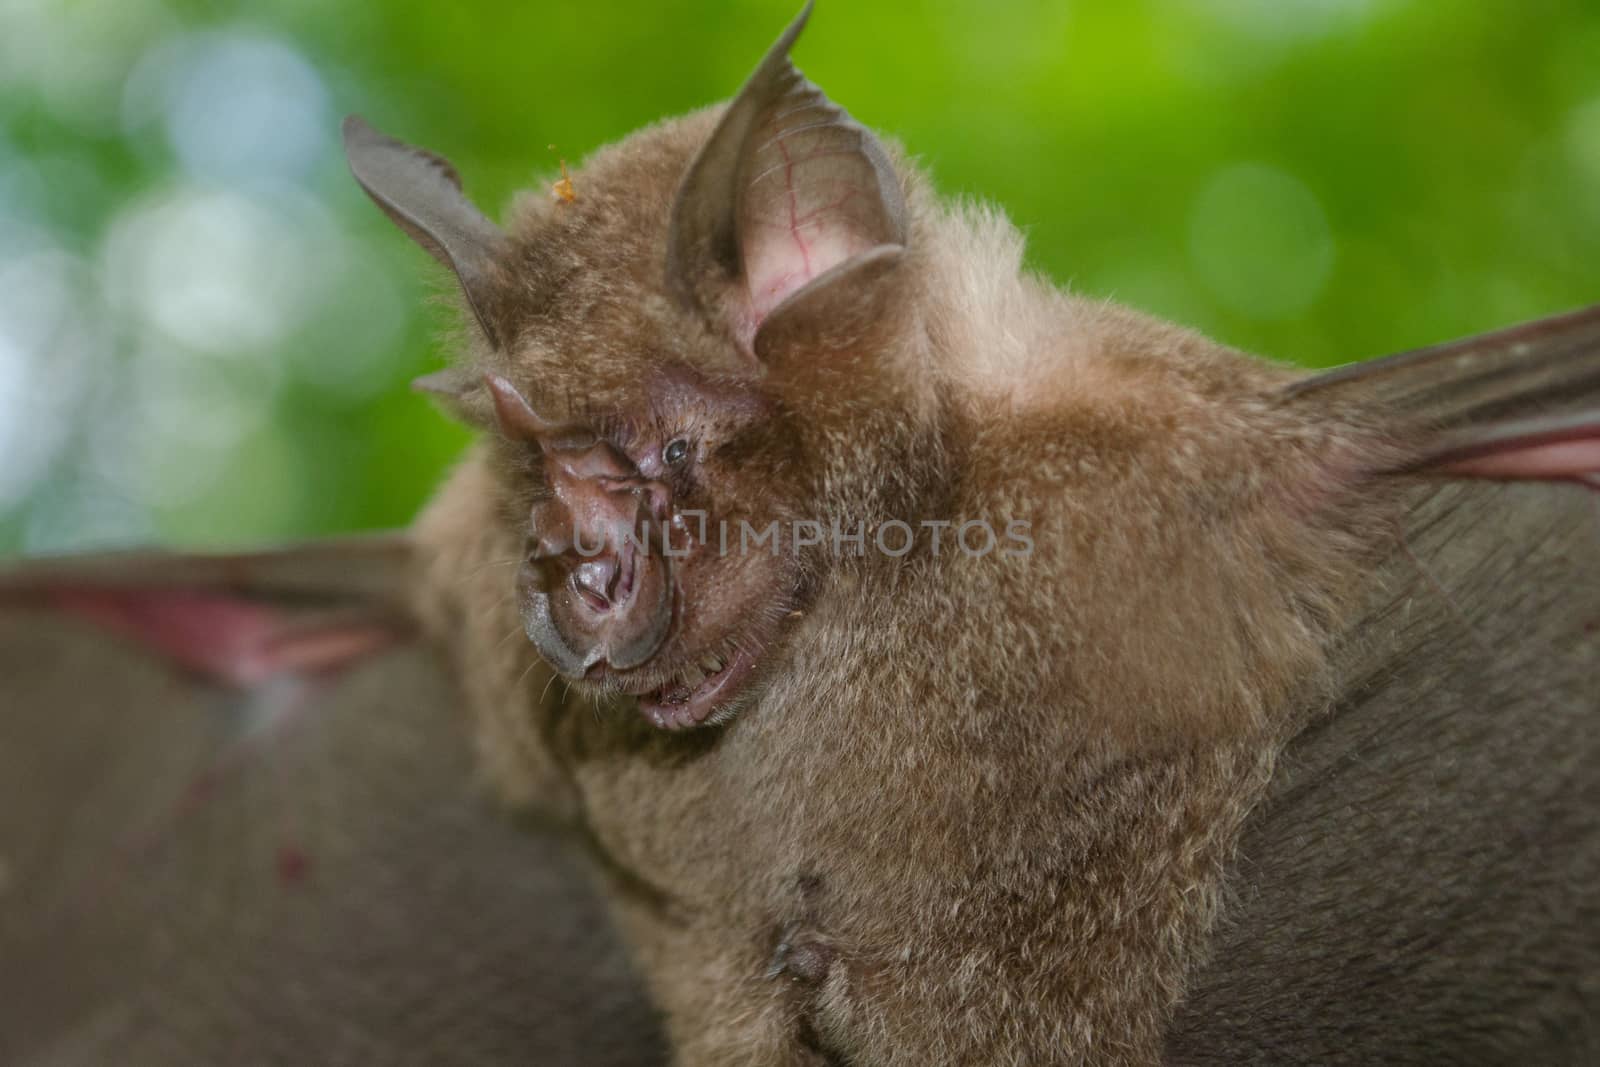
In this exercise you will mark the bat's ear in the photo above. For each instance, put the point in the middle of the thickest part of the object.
(790, 218)
(422, 193)
(460, 392)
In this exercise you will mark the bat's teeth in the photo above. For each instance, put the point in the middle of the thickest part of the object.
(693, 677)
(712, 664)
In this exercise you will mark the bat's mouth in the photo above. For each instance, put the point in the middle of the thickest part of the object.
(708, 671)
(701, 692)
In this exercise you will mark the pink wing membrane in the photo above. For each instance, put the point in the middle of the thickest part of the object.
(227, 639)
(1556, 448)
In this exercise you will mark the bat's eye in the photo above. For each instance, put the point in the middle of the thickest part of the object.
(676, 451)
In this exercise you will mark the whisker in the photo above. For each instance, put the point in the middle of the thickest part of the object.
(515, 632)
(546, 691)
(524, 675)
(480, 568)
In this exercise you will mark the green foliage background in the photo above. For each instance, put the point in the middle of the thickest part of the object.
(1319, 180)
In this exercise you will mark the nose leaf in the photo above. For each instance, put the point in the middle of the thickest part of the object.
(598, 582)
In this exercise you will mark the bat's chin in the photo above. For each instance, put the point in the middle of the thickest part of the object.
(709, 692)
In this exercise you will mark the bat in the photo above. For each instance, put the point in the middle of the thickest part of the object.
(242, 826)
(933, 666)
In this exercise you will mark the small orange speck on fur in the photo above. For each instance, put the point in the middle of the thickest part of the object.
(563, 189)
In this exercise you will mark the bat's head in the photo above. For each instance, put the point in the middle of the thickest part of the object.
(691, 355)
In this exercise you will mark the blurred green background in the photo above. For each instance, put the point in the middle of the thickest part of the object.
(206, 333)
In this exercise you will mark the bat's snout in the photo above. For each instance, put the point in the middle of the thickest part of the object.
(604, 594)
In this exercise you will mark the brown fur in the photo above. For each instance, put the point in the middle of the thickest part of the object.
(985, 801)
(1266, 753)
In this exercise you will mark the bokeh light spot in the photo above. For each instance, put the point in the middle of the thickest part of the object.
(1290, 20)
(1260, 241)
(72, 56)
(215, 270)
(1583, 141)
(236, 107)
(47, 344)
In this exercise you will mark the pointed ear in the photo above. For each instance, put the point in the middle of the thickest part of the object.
(421, 192)
(789, 217)
(460, 392)
(515, 415)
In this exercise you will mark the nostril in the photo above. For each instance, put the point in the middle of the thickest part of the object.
(595, 581)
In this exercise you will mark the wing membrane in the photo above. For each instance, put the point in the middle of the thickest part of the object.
(297, 869)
